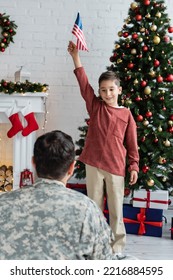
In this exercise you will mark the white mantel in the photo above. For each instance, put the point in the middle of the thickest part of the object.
(22, 146)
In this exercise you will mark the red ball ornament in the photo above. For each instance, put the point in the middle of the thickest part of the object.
(134, 36)
(145, 169)
(159, 79)
(148, 114)
(156, 63)
(138, 17)
(11, 30)
(130, 65)
(171, 117)
(7, 23)
(126, 191)
(146, 2)
(139, 118)
(2, 50)
(145, 48)
(143, 139)
(170, 129)
(140, 56)
(170, 29)
(4, 40)
(125, 34)
(169, 78)
(138, 98)
(4, 84)
(143, 83)
(156, 140)
(166, 39)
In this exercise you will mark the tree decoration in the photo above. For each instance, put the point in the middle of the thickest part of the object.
(8, 31)
(8, 87)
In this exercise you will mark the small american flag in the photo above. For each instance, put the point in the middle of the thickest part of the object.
(77, 31)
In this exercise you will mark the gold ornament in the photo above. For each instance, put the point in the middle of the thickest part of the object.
(152, 73)
(150, 182)
(5, 34)
(167, 143)
(158, 14)
(146, 122)
(133, 51)
(119, 60)
(170, 122)
(133, 5)
(147, 90)
(148, 15)
(156, 40)
(135, 82)
(160, 128)
(117, 46)
(164, 179)
(120, 34)
(153, 27)
(140, 39)
(142, 29)
(128, 102)
(161, 160)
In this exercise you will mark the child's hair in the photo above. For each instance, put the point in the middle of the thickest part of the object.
(109, 75)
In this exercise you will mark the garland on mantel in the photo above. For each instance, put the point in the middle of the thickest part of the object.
(8, 87)
(8, 31)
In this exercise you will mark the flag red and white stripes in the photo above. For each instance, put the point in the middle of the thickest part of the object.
(78, 32)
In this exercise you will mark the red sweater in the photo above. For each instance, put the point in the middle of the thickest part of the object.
(111, 133)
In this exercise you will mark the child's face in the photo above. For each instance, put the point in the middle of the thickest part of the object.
(109, 92)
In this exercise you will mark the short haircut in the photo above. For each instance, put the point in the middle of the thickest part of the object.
(109, 75)
(53, 154)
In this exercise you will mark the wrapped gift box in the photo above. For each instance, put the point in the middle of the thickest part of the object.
(143, 221)
(77, 187)
(150, 199)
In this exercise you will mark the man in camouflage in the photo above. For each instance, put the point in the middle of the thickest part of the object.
(47, 220)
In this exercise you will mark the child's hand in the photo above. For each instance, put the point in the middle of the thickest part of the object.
(133, 177)
(72, 49)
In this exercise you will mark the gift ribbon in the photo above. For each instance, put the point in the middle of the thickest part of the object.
(141, 217)
(77, 186)
(148, 200)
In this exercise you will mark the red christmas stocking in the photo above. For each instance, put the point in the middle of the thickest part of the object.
(32, 124)
(16, 125)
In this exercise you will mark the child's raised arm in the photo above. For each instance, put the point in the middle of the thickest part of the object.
(73, 51)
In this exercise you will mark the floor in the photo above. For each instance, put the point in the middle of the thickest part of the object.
(153, 248)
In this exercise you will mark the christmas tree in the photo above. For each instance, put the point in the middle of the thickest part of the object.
(143, 58)
(79, 171)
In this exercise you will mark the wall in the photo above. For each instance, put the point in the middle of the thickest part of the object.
(44, 29)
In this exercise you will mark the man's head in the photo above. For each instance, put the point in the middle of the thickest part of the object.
(54, 155)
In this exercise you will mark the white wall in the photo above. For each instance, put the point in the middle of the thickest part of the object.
(44, 29)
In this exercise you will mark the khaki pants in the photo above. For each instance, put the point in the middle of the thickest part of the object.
(98, 182)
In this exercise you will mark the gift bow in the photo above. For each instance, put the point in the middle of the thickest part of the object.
(141, 217)
(148, 200)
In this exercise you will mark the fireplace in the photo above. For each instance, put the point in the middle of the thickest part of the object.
(18, 150)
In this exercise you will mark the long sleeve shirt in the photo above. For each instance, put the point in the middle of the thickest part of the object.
(111, 138)
(49, 221)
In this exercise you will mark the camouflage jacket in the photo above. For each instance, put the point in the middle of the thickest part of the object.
(49, 221)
